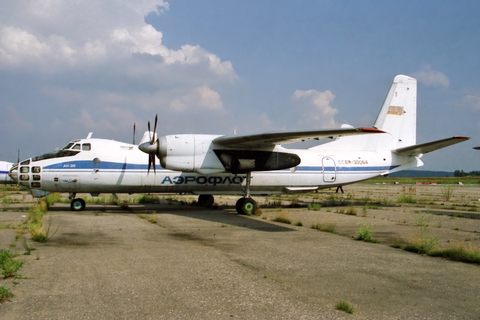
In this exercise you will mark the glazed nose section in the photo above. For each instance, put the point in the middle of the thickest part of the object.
(13, 173)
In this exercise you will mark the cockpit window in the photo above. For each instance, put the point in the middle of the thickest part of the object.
(76, 147)
(56, 154)
(86, 146)
(67, 146)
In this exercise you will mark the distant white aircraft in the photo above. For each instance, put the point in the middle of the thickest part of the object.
(209, 165)
(4, 170)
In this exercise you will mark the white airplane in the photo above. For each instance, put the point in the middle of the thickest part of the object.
(208, 165)
(4, 170)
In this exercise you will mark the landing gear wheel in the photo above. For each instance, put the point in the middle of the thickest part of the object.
(77, 204)
(246, 206)
(205, 200)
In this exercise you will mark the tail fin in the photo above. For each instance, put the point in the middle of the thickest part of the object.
(398, 115)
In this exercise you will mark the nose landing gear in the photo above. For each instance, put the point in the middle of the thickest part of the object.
(77, 204)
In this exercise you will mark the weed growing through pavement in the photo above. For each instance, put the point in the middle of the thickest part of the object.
(447, 192)
(8, 264)
(365, 233)
(41, 235)
(423, 242)
(344, 306)
(5, 294)
(26, 247)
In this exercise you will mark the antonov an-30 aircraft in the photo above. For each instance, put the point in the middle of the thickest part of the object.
(209, 165)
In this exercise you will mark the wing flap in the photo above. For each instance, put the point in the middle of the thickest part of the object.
(429, 146)
(276, 138)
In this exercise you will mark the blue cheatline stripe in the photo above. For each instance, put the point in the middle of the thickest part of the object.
(3, 172)
(87, 164)
(73, 166)
(346, 169)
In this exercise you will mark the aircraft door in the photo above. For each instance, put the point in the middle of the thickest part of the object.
(329, 169)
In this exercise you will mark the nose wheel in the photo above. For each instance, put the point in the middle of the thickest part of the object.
(77, 204)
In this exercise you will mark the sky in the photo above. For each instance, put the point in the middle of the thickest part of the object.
(214, 66)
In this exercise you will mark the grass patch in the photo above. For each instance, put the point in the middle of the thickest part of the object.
(407, 199)
(282, 219)
(468, 255)
(314, 206)
(324, 227)
(148, 199)
(344, 306)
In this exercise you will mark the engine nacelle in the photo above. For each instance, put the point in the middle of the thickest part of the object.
(188, 152)
(177, 152)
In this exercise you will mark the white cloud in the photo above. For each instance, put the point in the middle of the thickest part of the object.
(313, 108)
(98, 66)
(431, 77)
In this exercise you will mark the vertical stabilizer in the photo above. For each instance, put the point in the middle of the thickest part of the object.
(398, 115)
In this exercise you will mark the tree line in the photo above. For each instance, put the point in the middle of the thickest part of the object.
(461, 173)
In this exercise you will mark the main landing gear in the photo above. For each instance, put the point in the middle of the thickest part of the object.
(205, 200)
(77, 204)
(246, 205)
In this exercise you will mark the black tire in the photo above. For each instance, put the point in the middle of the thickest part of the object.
(205, 200)
(77, 204)
(246, 206)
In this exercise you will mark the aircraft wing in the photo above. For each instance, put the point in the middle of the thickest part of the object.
(430, 146)
(276, 138)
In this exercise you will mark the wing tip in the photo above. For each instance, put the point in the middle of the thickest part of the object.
(372, 130)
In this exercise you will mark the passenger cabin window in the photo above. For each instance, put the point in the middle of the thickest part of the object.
(86, 146)
(76, 147)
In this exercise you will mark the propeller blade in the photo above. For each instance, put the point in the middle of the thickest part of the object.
(149, 163)
(149, 134)
(154, 129)
(134, 133)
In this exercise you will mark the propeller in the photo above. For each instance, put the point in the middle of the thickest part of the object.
(151, 157)
(134, 133)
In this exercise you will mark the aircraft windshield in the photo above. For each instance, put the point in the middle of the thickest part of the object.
(67, 146)
(56, 154)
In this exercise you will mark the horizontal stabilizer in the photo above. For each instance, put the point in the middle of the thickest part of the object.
(276, 138)
(429, 146)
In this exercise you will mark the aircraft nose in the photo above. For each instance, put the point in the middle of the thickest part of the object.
(13, 173)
